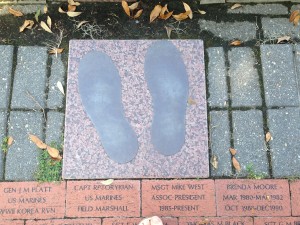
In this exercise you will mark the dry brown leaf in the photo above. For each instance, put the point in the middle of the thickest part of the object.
(187, 8)
(53, 152)
(45, 27)
(201, 12)
(235, 43)
(138, 14)
(107, 182)
(60, 87)
(45, 9)
(15, 12)
(296, 20)
(126, 8)
(163, 15)
(49, 22)
(31, 23)
(25, 24)
(81, 23)
(166, 16)
(61, 10)
(293, 15)
(268, 136)
(10, 141)
(169, 31)
(72, 2)
(181, 16)
(236, 164)
(71, 8)
(214, 161)
(37, 141)
(284, 38)
(232, 151)
(235, 6)
(73, 14)
(133, 6)
(191, 101)
(155, 13)
(56, 50)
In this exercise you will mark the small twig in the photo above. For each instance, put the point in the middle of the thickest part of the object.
(37, 103)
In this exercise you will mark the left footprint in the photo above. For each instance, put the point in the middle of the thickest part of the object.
(100, 92)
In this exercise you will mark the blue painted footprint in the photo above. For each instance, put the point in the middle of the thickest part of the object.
(167, 81)
(100, 92)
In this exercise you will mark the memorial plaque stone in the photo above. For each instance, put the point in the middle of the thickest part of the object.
(277, 220)
(32, 200)
(89, 221)
(178, 198)
(94, 199)
(215, 221)
(253, 198)
(295, 197)
(135, 221)
(134, 108)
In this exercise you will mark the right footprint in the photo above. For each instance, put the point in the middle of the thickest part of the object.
(168, 84)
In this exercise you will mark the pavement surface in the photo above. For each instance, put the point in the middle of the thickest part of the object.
(252, 89)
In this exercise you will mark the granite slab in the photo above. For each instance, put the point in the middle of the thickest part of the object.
(135, 109)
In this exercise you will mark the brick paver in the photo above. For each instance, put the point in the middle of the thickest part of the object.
(295, 197)
(253, 198)
(31, 200)
(93, 199)
(54, 127)
(2, 135)
(135, 221)
(12, 222)
(215, 220)
(178, 198)
(89, 221)
(276, 220)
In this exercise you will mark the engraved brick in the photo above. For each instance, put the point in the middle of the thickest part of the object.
(178, 198)
(11, 222)
(295, 197)
(93, 199)
(277, 220)
(253, 198)
(135, 221)
(215, 220)
(32, 200)
(89, 221)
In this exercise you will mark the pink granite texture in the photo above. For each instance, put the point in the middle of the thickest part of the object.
(84, 156)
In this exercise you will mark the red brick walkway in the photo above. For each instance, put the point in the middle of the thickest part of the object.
(191, 202)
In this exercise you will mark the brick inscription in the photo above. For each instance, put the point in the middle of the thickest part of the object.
(93, 199)
(65, 222)
(178, 198)
(215, 221)
(253, 197)
(11, 222)
(32, 200)
(135, 221)
(295, 197)
(277, 220)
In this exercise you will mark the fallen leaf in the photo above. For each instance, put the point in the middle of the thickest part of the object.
(25, 24)
(191, 101)
(56, 50)
(163, 15)
(61, 10)
(71, 8)
(45, 9)
(235, 43)
(73, 14)
(188, 9)
(133, 6)
(155, 13)
(232, 151)
(72, 2)
(296, 20)
(9, 141)
(60, 87)
(126, 8)
(31, 23)
(236, 164)
(268, 136)
(293, 15)
(201, 12)
(235, 6)
(53, 152)
(107, 182)
(169, 31)
(45, 27)
(49, 22)
(214, 161)
(37, 14)
(138, 14)
(284, 38)
(37, 141)
(181, 16)
(15, 12)
(81, 23)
